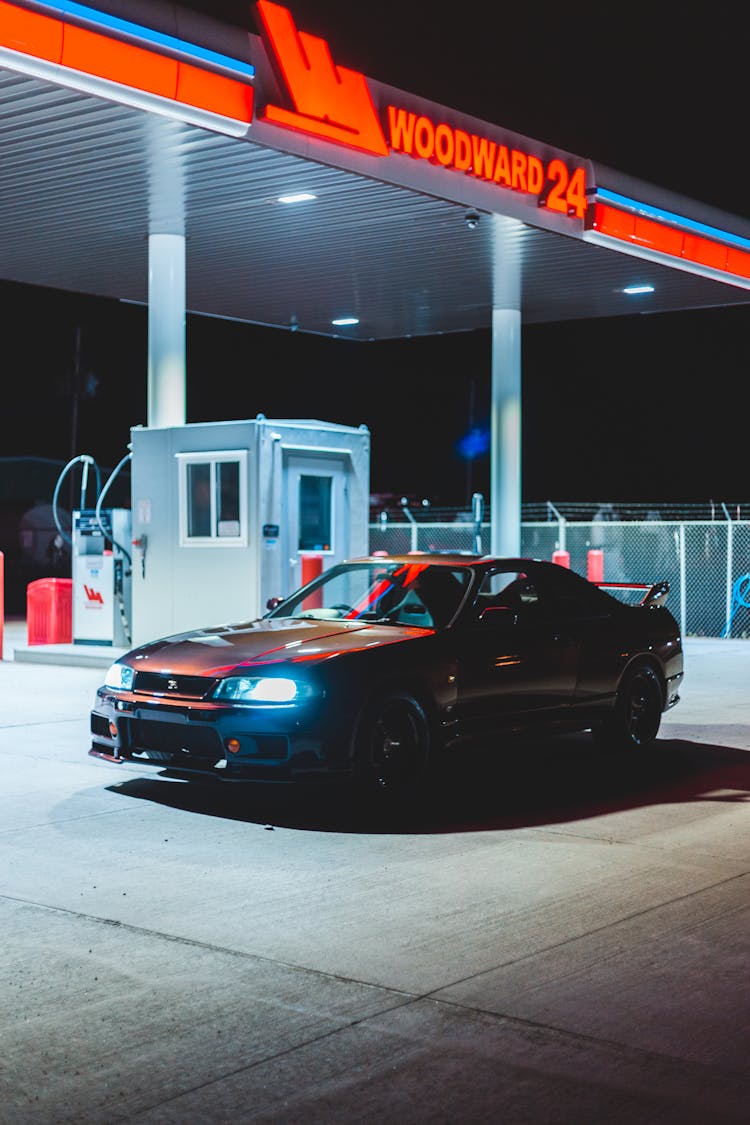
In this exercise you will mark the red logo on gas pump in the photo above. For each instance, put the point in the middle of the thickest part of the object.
(93, 595)
(331, 101)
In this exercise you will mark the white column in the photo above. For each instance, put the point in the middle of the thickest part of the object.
(166, 330)
(505, 433)
(166, 272)
(505, 421)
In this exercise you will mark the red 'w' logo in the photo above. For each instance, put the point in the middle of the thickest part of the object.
(93, 595)
(331, 101)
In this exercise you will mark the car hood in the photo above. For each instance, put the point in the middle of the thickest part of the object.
(224, 649)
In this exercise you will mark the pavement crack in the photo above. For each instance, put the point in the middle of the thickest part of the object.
(277, 1055)
(195, 943)
(553, 946)
(46, 824)
(40, 723)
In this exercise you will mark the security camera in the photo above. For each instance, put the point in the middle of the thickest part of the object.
(472, 219)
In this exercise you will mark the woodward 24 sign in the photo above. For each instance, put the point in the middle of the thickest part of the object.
(335, 103)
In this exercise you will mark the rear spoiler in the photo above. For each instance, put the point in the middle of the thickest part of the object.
(655, 594)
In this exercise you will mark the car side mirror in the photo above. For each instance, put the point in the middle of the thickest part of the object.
(272, 603)
(497, 617)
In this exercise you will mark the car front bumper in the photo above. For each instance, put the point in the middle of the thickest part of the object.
(285, 743)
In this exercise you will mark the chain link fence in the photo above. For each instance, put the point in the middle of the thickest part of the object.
(706, 561)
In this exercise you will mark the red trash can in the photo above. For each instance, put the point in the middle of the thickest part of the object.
(595, 565)
(49, 611)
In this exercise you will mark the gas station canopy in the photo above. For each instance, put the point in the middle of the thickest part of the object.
(97, 153)
(154, 155)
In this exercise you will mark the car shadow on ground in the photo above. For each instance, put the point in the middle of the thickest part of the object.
(526, 784)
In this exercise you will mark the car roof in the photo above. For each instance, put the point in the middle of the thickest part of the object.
(456, 558)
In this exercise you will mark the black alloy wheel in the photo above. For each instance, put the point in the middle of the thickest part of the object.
(393, 745)
(635, 721)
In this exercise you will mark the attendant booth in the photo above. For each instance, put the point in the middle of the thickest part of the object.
(229, 514)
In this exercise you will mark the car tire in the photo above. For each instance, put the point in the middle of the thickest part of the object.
(635, 720)
(392, 746)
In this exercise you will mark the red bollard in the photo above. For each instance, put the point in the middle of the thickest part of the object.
(595, 565)
(562, 558)
(312, 566)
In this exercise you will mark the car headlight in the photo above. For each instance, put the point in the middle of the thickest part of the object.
(120, 677)
(262, 689)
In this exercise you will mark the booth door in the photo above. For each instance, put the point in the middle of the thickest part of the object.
(315, 532)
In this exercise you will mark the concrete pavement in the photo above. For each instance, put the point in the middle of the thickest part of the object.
(16, 647)
(558, 938)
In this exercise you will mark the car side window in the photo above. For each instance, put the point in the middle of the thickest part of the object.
(506, 589)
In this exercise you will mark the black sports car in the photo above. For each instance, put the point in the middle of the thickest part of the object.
(381, 664)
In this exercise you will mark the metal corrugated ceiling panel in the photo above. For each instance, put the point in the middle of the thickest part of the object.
(81, 178)
(564, 279)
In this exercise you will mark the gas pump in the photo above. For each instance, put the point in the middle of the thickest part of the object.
(100, 563)
(101, 577)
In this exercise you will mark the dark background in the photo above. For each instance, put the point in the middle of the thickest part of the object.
(639, 408)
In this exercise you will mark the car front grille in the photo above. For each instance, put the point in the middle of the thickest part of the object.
(179, 739)
(174, 686)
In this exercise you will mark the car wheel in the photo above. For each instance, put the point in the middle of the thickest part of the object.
(635, 721)
(392, 745)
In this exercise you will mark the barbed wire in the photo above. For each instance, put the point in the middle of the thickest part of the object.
(581, 511)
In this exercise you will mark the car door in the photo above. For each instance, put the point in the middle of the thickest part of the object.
(518, 660)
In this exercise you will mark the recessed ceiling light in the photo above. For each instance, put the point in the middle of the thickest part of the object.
(633, 290)
(342, 321)
(300, 197)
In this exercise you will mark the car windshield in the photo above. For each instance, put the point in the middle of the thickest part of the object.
(390, 592)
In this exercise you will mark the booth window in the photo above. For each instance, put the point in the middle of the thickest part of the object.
(315, 502)
(212, 499)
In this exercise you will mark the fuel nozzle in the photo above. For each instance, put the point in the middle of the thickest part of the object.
(141, 546)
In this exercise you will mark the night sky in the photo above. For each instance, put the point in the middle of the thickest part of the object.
(641, 408)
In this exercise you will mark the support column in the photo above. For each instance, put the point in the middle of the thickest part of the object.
(505, 422)
(166, 330)
(505, 433)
